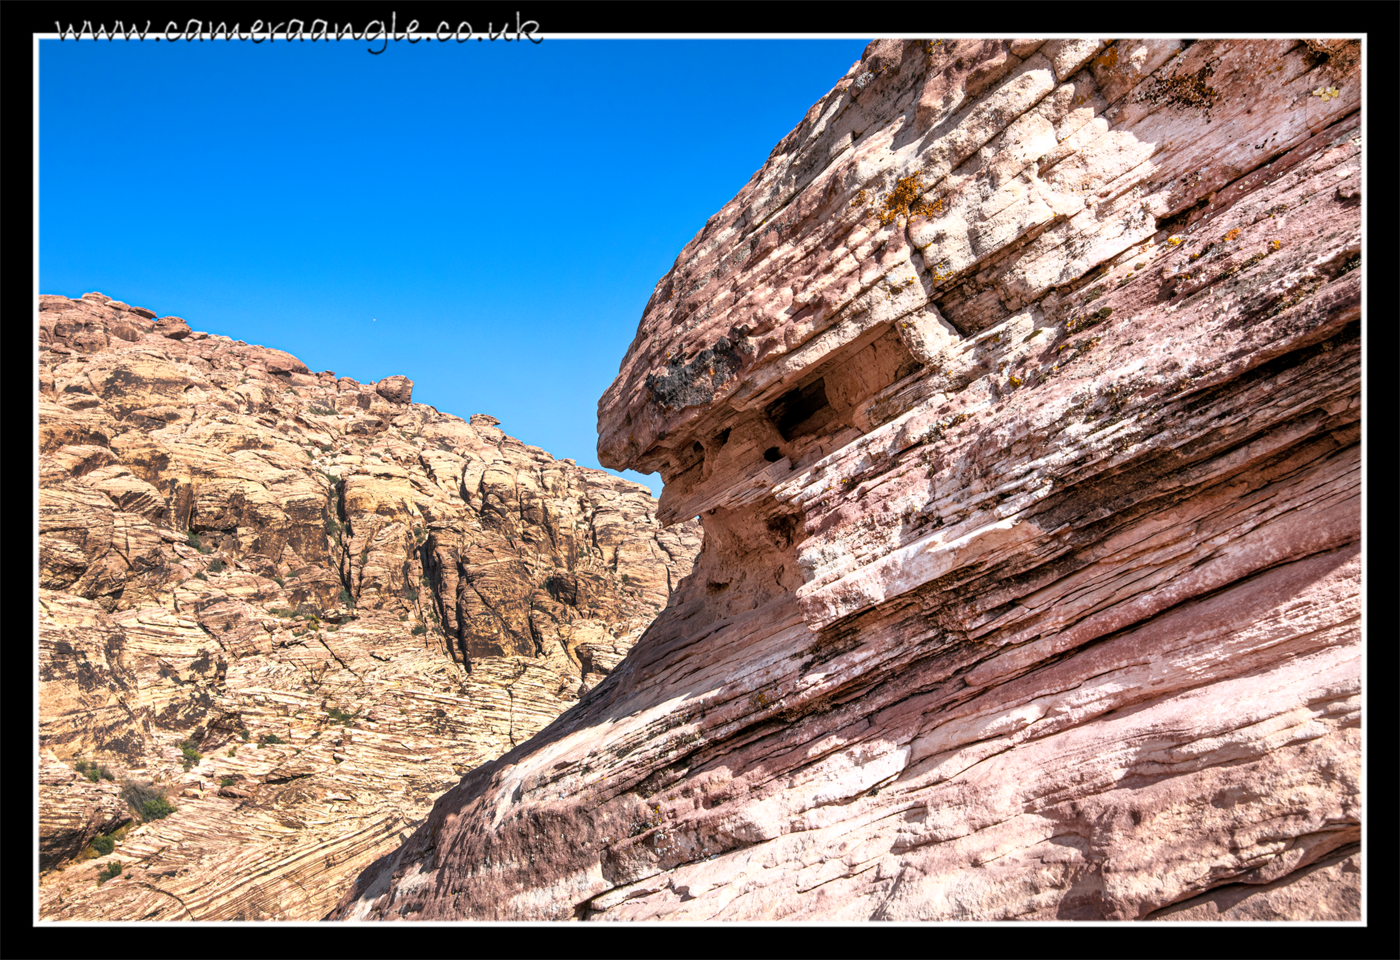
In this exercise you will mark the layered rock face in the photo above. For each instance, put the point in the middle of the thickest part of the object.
(1019, 393)
(298, 607)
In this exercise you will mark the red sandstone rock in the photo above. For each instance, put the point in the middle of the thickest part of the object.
(1019, 393)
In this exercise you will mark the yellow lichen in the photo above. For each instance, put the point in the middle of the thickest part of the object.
(1174, 241)
(1327, 93)
(1232, 234)
(904, 201)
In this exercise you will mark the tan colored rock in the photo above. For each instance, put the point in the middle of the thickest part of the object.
(395, 389)
(296, 631)
(173, 327)
(1044, 606)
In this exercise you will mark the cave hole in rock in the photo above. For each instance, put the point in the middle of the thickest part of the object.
(801, 411)
(772, 455)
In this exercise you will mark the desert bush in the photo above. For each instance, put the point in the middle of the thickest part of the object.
(419, 630)
(93, 771)
(112, 871)
(104, 845)
(267, 738)
(216, 566)
(226, 781)
(190, 753)
(146, 799)
(340, 716)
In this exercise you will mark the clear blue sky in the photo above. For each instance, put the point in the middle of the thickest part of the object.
(488, 219)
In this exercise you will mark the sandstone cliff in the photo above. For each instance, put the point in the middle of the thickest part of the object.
(298, 606)
(1019, 392)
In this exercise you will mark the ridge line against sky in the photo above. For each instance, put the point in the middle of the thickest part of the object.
(489, 220)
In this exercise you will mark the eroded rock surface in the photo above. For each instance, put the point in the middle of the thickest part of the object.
(336, 600)
(1019, 392)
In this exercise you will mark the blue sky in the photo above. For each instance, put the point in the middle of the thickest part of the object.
(488, 219)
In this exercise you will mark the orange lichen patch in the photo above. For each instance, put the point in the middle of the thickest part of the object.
(1232, 234)
(904, 201)
(1109, 60)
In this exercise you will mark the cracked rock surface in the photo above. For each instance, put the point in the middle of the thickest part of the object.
(299, 607)
(1019, 395)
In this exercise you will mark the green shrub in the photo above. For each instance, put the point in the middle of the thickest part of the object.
(200, 576)
(157, 809)
(113, 871)
(226, 781)
(340, 716)
(216, 566)
(267, 738)
(419, 630)
(146, 799)
(104, 845)
(191, 754)
(345, 597)
(93, 771)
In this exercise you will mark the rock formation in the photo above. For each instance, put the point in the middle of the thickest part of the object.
(295, 608)
(1019, 392)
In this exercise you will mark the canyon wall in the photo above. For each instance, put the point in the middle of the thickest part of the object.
(1019, 396)
(295, 609)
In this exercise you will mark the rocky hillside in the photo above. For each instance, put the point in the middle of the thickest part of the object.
(291, 610)
(1019, 392)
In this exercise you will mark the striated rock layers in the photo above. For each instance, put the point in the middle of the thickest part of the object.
(1020, 394)
(296, 608)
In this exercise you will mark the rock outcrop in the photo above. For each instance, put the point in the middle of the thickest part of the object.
(1019, 393)
(296, 609)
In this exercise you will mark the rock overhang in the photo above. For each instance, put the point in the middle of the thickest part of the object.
(1031, 567)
